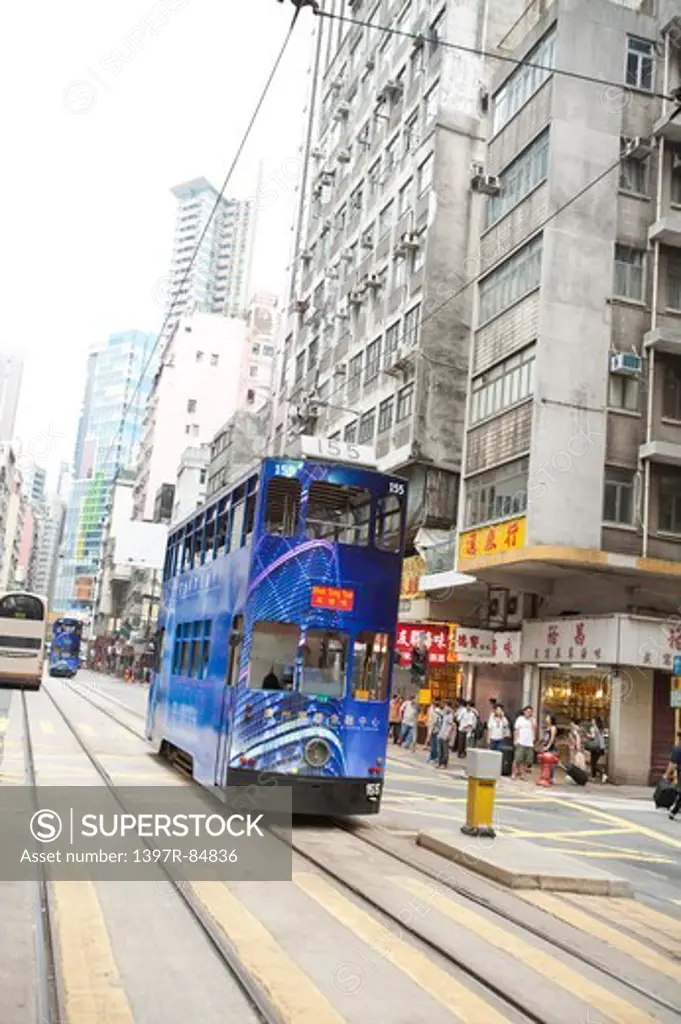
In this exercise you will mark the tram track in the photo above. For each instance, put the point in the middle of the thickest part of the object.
(48, 992)
(255, 996)
(431, 875)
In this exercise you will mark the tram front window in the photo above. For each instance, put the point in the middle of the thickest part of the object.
(273, 653)
(325, 659)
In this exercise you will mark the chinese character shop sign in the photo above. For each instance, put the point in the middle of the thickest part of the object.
(434, 636)
(487, 541)
(571, 641)
(485, 645)
(413, 569)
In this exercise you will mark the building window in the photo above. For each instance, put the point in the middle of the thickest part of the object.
(373, 361)
(431, 101)
(618, 497)
(515, 278)
(519, 179)
(202, 476)
(412, 322)
(199, 357)
(253, 371)
(676, 177)
(255, 349)
(623, 392)
(391, 156)
(669, 515)
(497, 494)
(633, 173)
(392, 340)
(367, 426)
(504, 385)
(405, 403)
(375, 179)
(356, 204)
(673, 284)
(412, 136)
(424, 177)
(385, 415)
(385, 220)
(300, 366)
(312, 355)
(640, 63)
(671, 392)
(350, 433)
(191, 405)
(250, 396)
(524, 82)
(404, 198)
(214, 359)
(268, 351)
(355, 375)
(628, 273)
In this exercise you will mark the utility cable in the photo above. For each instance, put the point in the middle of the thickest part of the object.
(476, 51)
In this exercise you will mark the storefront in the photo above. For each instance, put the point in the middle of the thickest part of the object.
(427, 669)
(496, 672)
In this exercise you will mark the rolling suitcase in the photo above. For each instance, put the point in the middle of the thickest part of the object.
(507, 760)
(665, 794)
(577, 775)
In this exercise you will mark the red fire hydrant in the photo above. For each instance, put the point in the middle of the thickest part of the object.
(548, 762)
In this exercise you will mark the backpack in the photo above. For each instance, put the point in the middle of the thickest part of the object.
(479, 728)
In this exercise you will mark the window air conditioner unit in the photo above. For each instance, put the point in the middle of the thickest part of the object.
(342, 313)
(355, 298)
(372, 281)
(344, 156)
(410, 240)
(326, 178)
(342, 111)
(367, 241)
(638, 148)
(487, 184)
(306, 255)
(392, 88)
(625, 363)
(317, 153)
(299, 305)
(370, 64)
(347, 256)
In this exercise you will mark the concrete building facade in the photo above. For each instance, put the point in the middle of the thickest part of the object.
(11, 372)
(190, 488)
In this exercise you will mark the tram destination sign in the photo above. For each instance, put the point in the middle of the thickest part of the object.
(163, 834)
(337, 599)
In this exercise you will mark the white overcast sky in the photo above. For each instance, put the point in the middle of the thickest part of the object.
(92, 146)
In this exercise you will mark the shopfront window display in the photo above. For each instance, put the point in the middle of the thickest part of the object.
(578, 698)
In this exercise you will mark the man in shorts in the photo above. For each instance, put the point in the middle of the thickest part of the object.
(524, 735)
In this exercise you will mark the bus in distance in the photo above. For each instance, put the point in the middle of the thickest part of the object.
(277, 630)
(23, 629)
(65, 648)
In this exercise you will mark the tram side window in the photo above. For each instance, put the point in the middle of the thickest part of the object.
(210, 537)
(158, 649)
(282, 510)
(250, 516)
(205, 653)
(187, 552)
(235, 642)
(274, 648)
(221, 529)
(370, 666)
(237, 524)
(389, 524)
(325, 659)
(196, 648)
(338, 513)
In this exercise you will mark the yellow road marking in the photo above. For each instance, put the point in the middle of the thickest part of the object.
(614, 854)
(459, 1000)
(89, 973)
(292, 992)
(642, 830)
(619, 910)
(47, 728)
(554, 970)
(592, 926)
(523, 834)
(86, 729)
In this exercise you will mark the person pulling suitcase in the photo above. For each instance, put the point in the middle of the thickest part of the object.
(673, 774)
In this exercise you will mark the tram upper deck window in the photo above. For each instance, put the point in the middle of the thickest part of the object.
(21, 606)
(338, 513)
(370, 664)
(325, 658)
(238, 512)
(282, 509)
(389, 524)
(274, 649)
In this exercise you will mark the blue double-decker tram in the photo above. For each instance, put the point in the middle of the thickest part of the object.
(67, 637)
(276, 633)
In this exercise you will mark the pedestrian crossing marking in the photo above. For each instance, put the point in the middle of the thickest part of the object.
(47, 728)
(600, 816)
(551, 968)
(614, 853)
(86, 729)
(592, 926)
(89, 973)
(289, 988)
(619, 909)
(466, 1005)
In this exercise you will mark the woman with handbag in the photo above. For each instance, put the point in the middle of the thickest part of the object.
(594, 745)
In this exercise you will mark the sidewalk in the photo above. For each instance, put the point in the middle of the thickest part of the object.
(457, 771)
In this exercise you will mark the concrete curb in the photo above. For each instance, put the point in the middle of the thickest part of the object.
(552, 872)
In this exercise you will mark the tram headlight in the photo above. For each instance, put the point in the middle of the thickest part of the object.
(317, 753)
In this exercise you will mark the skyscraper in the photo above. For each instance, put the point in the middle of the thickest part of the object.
(119, 377)
(11, 370)
(218, 281)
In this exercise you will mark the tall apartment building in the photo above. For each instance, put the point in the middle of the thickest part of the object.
(119, 378)
(11, 372)
(219, 279)
(372, 355)
(50, 525)
(211, 367)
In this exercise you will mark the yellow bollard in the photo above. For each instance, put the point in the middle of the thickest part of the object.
(484, 768)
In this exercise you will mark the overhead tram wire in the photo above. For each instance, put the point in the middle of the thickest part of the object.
(476, 51)
(298, 4)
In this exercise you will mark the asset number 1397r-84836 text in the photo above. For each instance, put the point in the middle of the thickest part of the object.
(187, 856)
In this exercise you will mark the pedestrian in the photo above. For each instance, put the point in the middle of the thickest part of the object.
(467, 723)
(431, 719)
(576, 744)
(498, 728)
(409, 717)
(673, 774)
(549, 740)
(444, 735)
(595, 745)
(395, 706)
(524, 735)
(433, 745)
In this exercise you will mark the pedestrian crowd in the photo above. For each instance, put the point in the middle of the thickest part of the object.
(454, 727)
